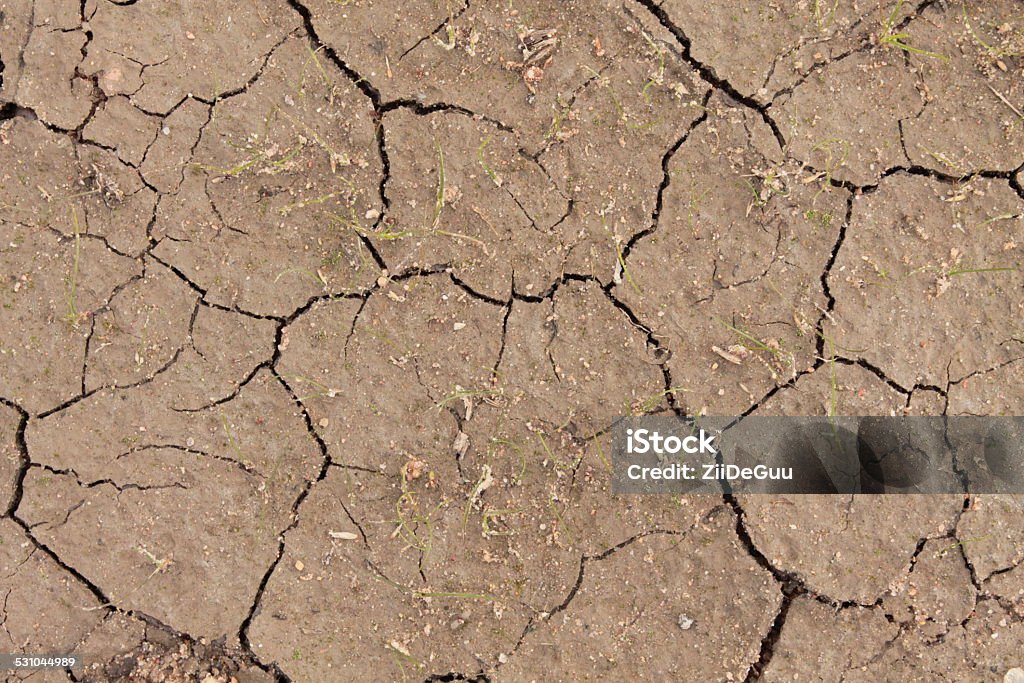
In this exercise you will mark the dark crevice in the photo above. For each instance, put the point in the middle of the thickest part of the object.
(146, 380)
(975, 581)
(248, 469)
(373, 94)
(504, 340)
(522, 636)
(216, 210)
(771, 639)
(351, 517)
(950, 178)
(420, 109)
(355, 321)
(788, 384)
(243, 631)
(867, 43)
(789, 90)
(479, 677)
(830, 299)
(159, 114)
(121, 488)
(478, 295)
(11, 110)
(450, 20)
(792, 587)
(24, 461)
(913, 170)
(64, 405)
(368, 243)
(880, 374)
(666, 179)
(1015, 182)
(305, 308)
(955, 382)
(422, 271)
(584, 559)
(790, 582)
(264, 365)
(243, 634)
(549, 294)
(88, 346)
(823, 357)
(364, 470)
(903, 141)
(708, 73)
(360, 82)
(660, 352)
(818, 64)
(97, 593)
(962, 475)
(1003, 570)
(242, 89)
(363, 296)
(382, 188)
(605, 554)
(847, 185)
(203, 301)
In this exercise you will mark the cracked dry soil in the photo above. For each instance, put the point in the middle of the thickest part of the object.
(314, 316)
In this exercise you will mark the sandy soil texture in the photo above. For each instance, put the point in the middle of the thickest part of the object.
(315, 316)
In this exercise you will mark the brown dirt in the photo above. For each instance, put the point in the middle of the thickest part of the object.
(316, 315)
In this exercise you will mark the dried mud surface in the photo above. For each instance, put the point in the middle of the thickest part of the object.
(315, 315)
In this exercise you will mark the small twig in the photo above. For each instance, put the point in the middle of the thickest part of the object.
(1005, 101)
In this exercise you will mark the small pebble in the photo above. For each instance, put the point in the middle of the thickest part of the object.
(685, 622)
